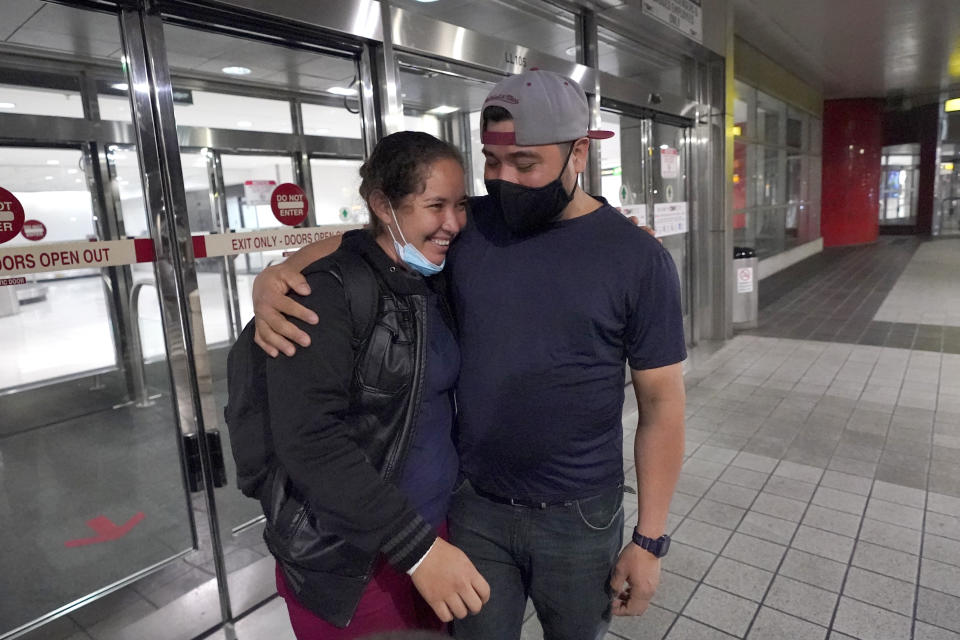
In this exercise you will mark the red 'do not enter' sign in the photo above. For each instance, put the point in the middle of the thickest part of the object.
(34, 230)
(289, 204)
(11, 216)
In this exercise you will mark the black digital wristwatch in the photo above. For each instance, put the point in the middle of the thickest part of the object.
(656, 546)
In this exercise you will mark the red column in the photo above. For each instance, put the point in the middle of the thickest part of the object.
(852, 149)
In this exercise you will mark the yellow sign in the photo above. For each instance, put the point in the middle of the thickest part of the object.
(952, 105)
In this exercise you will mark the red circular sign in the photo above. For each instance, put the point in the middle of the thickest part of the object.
(34, 230)
(289, 204)
(11, 216)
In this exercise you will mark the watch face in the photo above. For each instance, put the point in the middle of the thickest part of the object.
(664, 546)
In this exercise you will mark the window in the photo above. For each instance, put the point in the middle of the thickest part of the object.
(47, 96)
(776, 173)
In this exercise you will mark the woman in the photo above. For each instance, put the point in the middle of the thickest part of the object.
(362, 424)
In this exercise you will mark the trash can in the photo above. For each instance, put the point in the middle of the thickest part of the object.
(745, 294)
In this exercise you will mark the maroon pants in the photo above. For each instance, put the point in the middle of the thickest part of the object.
(389, 602)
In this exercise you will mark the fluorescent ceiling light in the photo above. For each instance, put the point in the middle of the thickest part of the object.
(244, 123)
(664, 146)
(443, 110)
(7, 105)
(342, 91)
(120, 86)
(48, 177)
(426, 1)
(53, 162)
(952, 105)
(236, 71)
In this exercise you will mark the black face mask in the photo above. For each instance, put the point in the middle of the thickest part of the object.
(529, 210)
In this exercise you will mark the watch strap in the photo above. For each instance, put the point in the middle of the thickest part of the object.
(657, 546)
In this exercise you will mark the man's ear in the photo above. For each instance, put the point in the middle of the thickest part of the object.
(581, 152)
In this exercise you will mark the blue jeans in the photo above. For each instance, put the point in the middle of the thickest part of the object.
(561, 557)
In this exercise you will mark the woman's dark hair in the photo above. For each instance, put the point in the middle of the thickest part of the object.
(398, 167)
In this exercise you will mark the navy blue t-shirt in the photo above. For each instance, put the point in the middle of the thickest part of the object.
(546, 324)
(430, 469)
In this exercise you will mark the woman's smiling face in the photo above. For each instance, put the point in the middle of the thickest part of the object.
(431, 219)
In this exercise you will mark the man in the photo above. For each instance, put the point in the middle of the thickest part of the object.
(554, 291)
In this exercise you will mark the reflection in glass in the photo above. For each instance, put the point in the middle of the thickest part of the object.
(325, 120)
(770, 185)
(656, 68)
(448, 107)
(900, 172)
(771, 231)
(669, 185)
(947, 203)
(770, 116)
(41, 101)
(336, 197)
(744, 106)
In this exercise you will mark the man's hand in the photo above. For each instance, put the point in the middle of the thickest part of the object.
(635, 220)
(450, 583)
(640, 570)
(270, 303)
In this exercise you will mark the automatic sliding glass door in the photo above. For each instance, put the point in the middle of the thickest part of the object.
(644, 172)
(93, 497)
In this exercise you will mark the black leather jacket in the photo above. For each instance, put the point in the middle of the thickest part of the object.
(342, 416)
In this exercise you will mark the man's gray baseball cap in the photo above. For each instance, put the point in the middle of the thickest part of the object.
(546, 107)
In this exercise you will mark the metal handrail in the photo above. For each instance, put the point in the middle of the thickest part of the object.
(140, 367)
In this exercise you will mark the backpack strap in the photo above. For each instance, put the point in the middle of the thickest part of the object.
(362, 289)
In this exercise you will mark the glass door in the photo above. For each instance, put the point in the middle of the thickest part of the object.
(623, 175)
(98, 522)
(447, 104)
(644, 170)
(669, 202)
(273, 120)
(947, 213)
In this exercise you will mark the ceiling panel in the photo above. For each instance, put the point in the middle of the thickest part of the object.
(424, 91)
(60, 28)
(191, 50)
(14, 14)
(535, 25)
(190, 44)
(858, 48)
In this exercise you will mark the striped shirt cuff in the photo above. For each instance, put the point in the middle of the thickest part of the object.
(410, 544)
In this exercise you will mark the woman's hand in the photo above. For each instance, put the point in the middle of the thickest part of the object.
(449, 582)
(270, 302)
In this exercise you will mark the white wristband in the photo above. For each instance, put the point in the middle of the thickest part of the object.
(420, 561)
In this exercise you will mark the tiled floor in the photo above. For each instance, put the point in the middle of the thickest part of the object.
(820, 494)
(898, 292)
(928, 291)
(820, 497)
